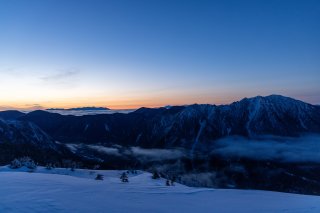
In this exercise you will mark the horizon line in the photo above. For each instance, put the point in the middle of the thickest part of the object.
(132, 107)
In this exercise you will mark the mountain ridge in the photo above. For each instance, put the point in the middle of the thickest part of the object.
(80, 108)
(184, 126)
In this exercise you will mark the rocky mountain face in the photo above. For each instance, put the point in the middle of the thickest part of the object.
(23, 132)
(191, 127)
(23, 138)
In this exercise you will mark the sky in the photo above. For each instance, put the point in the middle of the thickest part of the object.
(126, 54)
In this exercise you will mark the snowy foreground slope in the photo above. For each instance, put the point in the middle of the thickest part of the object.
(67, 191)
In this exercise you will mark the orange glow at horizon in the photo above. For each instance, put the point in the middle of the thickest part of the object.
(114, 104)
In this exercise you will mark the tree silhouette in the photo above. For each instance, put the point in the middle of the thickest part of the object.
(124, 177)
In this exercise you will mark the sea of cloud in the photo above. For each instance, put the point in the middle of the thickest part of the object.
(282, 149)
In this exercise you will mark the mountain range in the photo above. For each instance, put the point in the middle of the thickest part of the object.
(80, 108)
(183, 139)
(189, 127)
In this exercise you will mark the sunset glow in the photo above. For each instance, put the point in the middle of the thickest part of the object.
(126, 54)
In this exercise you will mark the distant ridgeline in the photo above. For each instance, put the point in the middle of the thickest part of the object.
(195, 135)
(81, 108)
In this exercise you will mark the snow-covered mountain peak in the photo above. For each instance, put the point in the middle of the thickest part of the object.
(277, 103)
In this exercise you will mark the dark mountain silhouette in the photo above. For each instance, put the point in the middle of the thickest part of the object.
(11, 114)
(193, 126)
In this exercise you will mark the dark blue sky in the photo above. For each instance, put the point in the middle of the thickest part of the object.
(132, 53)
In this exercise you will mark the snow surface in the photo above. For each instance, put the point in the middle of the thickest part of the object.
(61, 190)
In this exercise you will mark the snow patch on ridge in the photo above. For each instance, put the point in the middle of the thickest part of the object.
(202, 126)
(254, 108)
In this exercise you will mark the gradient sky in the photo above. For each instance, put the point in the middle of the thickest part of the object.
(127, 54)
